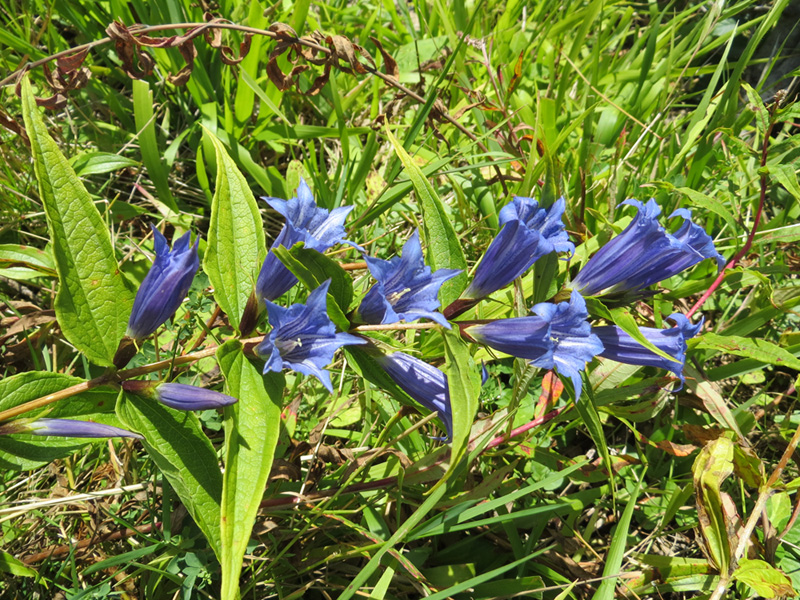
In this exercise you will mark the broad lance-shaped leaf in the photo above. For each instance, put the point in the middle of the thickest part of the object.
(444, 247)
(93, 303)
(236, 245)
(251, 434)
(26, 453)
(463, 380)
(184, 455)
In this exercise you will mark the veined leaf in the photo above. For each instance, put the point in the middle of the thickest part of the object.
(93, 303)
(764, 579)
(184, 455)
(251, 434)
(236, 246)
(761, 350)
(464, 384)
(26, 452)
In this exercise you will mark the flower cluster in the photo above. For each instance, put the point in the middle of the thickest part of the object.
(302, 337)
(560, 336)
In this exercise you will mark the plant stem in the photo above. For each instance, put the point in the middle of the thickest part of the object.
(756, 220)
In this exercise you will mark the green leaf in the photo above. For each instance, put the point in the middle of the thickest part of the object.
(95, 163)
(24, 452)
(16, 255)
(787, 177)
(616, 552)
(252, 426)
(236, 246)
(761, 350)
(313, 269)
(151, 155)
(463, 380)
(12, 566)
(591, 418)
(764, 579)
(712, 466)
(93, 303)
(444, 247)
(184, 455)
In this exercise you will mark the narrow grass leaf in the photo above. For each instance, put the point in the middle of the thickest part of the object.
(93, 303)
(252, 426)
(761, 350)
(616, 552)
(236, 245)
(151, 155)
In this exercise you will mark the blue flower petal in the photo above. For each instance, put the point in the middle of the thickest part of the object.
(558, 337)
(406, 289)
(621, 347)
(528, 233)
(423, 382)
(165, 285)
(71, 428)
(316, 227)
(303, 338)
(644, 254)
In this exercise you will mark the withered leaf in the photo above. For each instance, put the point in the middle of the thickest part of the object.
(129, 52)
(72, 62)
(389, 63)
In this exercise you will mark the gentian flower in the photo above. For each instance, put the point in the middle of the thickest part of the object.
(406, 290)
(621, 347)
(423, 382)
(645, 253)
(66, 428)
(316, 227)
(559, 337)
(303, 337)
(179, 396)
(528, 233)
(165, 285)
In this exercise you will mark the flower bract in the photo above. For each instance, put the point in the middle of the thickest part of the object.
(621, 347)
(528, 233)
(303, 337)
(406, 289)
(317, 228)
(645, 253)
(423, 382)
(165, 285)
(558, 337)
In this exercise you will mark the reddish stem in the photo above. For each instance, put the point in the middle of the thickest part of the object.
(756, 220)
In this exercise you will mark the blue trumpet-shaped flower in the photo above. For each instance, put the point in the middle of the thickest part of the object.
(621, 347)
(179, 396)
(303, 338)
(645, 253)
(528, 233)
(316, 227)
(423, 382)
(558, 337)
(406, 290)
(165, 285)
(66, 428)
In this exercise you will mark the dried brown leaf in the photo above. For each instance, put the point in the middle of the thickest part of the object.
(389, 63)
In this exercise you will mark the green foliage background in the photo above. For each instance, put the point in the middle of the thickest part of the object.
(595, 100)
